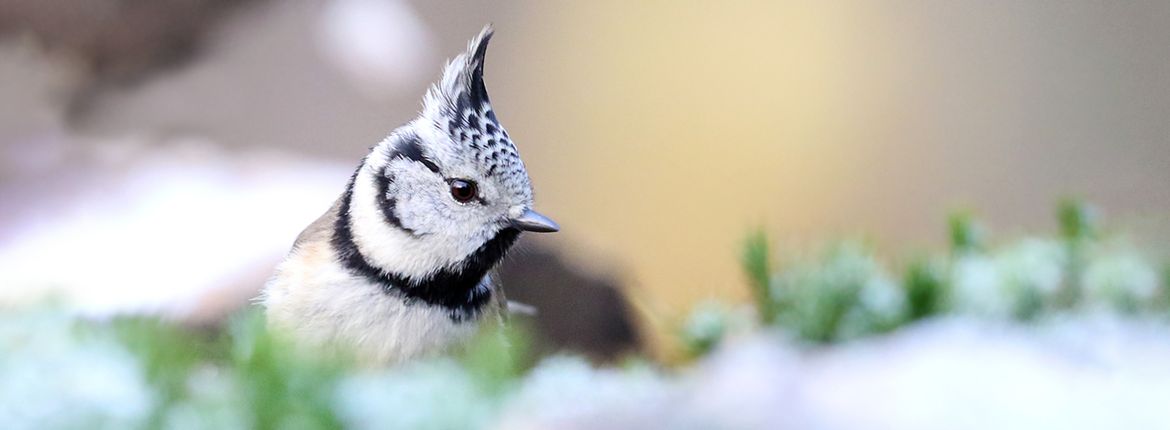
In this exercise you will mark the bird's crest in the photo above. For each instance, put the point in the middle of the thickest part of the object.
(458, 106)
(461, 87)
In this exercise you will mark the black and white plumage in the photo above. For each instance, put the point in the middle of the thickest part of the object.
(399, 266)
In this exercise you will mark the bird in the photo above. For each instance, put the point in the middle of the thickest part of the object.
(400, 267)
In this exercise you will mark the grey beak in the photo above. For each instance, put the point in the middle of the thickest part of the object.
(535, 222)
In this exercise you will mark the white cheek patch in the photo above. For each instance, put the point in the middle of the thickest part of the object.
(415, 205)
(387, 247)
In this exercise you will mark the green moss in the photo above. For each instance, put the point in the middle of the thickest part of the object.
(966, 234)
(925, 286)
(845, 293)
(757, 265)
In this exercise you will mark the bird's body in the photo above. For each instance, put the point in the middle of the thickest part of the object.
(399, 266)
(326, 304)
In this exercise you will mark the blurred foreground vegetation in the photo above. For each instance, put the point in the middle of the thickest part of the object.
(135, 372)
(845, 292)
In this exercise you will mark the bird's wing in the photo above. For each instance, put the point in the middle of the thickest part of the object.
(322, 228)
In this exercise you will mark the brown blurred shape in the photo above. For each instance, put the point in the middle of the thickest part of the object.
(118, 42)
(574, 311)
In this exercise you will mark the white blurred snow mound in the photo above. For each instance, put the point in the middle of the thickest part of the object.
(1076, 372)
(1085, 372)
(176, 226)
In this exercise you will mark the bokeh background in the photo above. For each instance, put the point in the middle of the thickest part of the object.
(161, 156)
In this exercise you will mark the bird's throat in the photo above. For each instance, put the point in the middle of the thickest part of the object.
(456, 289)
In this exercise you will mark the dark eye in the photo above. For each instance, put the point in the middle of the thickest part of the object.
(463, 190)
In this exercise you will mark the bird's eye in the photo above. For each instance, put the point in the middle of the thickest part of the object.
(463, 190)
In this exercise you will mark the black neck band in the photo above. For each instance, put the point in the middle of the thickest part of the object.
(454, 289)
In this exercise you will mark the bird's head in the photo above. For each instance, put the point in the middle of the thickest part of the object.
(447, 191)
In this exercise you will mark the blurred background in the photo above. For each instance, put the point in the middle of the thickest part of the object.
(161, 156)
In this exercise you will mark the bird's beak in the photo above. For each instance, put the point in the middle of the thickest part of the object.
(534, 222)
